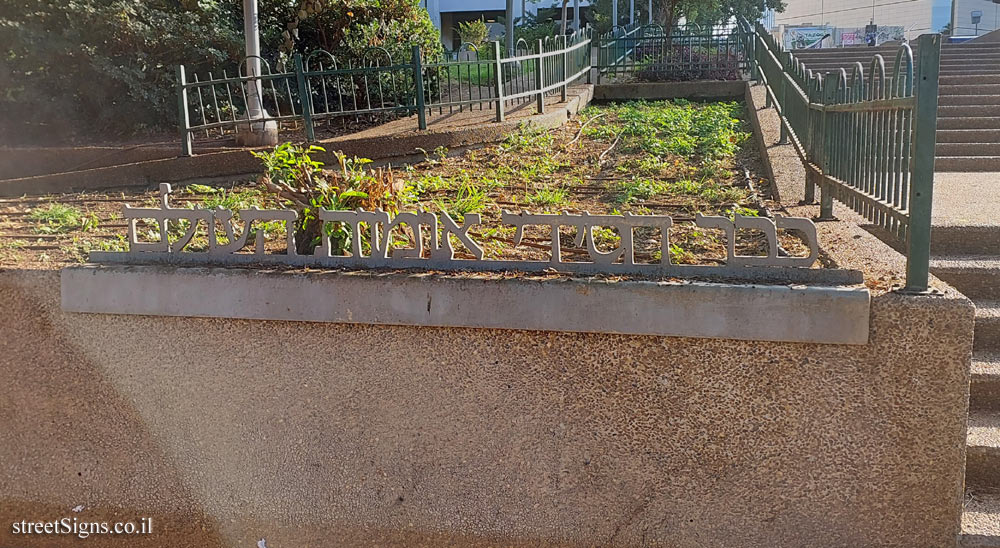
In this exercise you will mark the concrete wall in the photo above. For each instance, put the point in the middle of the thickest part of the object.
(227, 432)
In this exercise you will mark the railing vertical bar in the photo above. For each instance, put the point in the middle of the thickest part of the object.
(187, 148)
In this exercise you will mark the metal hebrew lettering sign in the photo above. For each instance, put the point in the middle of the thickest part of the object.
(432, 244)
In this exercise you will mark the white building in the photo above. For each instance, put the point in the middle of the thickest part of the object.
(989, 17)
(915, 16)
(446, 14)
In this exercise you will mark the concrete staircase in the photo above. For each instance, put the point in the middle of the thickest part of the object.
(965, 262)
(969, 98)
(965, 243)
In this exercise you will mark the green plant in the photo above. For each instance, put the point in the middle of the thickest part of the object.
(548, 197)
(474, 32)
(469, 198)
(682, 128)
(639, 189)
(295, 179)
(527, 138)
(60, 218)
(104, 66)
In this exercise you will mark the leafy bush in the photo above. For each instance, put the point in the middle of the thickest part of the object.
(295, 178)
(474, 32)
(106, 66)
(350, 28)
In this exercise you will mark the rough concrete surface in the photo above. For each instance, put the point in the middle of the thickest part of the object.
(979, 520)
(304, 434)
(832, 315)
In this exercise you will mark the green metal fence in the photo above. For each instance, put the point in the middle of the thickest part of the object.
(866, 138)
(867, 142)
(318, 89)
(711, 53)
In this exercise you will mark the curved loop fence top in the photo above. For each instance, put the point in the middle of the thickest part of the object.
(320, 52)
(265, 66)
(320, 88)
(867, 142)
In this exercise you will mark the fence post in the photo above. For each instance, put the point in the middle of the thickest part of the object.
(539, 79)
(918, 237)
(813, 118)
(498, 79)
(418, 80)
(305, 97)
(187, 148)
(565, 74)
(783, 98)
(590, 58)
(600, 55)
(822, 148)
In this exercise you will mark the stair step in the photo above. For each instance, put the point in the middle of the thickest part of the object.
(977, 276)
(968, 89)
(967, 122)
(969, 80)
(984, 390)
(981, 519)
(968, 136)
(964, 240)
(967, 163)
(982, 452)
(976, 111)
(987, 327)
(955, 100)
(968, 72)
(967, 149)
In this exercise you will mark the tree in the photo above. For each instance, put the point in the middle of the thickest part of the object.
(103, 66)
(701, 12)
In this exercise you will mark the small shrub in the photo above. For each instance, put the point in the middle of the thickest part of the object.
(296, 179)
(474, 32)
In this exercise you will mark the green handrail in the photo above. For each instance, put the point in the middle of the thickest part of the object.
(867, 139)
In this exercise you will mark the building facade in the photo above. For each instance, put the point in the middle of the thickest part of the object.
(447, 14)
(916, 17)
(962, 13)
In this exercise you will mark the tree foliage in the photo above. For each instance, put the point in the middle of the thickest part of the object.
(108, 67)
(350, 27)
(103, 65)
(668, 12)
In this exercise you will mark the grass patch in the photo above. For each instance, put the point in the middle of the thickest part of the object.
(60, 219)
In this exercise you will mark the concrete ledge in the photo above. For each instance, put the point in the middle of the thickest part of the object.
(708, 89)
(836, 315)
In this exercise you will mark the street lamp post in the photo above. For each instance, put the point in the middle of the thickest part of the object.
(264, 131)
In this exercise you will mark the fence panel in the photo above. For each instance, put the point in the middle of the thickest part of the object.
(718, 53)
(320, 88)
(867, 139)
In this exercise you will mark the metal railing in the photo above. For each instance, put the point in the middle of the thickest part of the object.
(715, 53)
(866, 142)
(319, 89)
